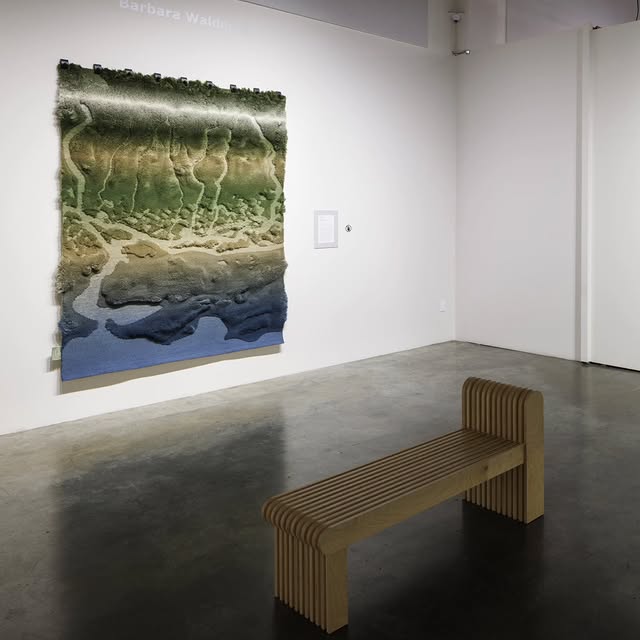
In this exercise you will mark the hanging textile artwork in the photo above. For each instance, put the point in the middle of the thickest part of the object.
(172, 220)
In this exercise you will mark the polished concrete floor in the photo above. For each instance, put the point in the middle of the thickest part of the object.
(146, 523)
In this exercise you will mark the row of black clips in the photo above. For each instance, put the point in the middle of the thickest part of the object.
(97, 68)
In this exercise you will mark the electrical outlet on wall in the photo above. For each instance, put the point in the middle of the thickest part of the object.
(443, 306)
(56, 353)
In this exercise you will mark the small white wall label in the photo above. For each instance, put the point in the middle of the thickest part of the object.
(325, 229)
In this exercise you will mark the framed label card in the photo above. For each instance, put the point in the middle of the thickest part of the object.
(325, 229)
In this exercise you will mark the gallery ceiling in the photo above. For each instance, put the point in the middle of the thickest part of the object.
(531, 18)
(407, 20)
(403, 20)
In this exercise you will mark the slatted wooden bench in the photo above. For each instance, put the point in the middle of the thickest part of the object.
(496, 460)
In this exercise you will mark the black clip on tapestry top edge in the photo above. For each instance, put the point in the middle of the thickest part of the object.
(97, 68)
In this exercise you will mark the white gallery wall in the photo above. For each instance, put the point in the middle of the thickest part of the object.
(615, 228)
(517, 205)
(371, 133)
(465, 180)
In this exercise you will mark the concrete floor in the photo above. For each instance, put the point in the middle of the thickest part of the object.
(146, 523)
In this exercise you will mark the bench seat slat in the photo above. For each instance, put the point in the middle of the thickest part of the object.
(397, 481)
(352, 505)
(395, 459)
(310, 512)
(406, 459)
(399, 508)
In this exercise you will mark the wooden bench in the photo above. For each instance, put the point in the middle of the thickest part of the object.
(496, 460)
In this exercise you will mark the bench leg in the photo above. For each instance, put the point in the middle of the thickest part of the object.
(311, 583)
(505, 494)
(519, 493)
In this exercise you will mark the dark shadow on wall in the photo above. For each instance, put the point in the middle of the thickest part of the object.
(167, 541)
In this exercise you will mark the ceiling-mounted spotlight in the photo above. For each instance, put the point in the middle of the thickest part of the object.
(464, 52)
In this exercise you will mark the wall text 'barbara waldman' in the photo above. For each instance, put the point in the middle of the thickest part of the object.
(191, 17)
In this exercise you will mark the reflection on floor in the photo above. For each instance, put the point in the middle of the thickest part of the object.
(146, 523)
